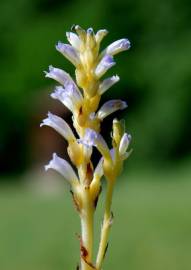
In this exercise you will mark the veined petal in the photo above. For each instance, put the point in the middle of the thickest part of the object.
(100, 35)
(105, 63)
(92, 138)
(63, 167)
(58, 75)
(124, 143)
(107, 83)
(118, 46)
(74, 40)
(110, 107)
(69, 52)
(59, 125)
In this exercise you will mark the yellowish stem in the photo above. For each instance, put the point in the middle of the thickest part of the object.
(87, 220)
(105, 227)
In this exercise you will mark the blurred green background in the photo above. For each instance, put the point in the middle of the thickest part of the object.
(152, 204)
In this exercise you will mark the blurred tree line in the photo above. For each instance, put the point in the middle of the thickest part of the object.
(155, 73)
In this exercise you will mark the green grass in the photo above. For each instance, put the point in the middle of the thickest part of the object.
(151, 229)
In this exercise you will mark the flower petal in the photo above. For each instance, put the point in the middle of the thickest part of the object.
(107, 83)
(59, 125)
(69, 52)
(58, 75)
(105, 63)
(118, 46)
(63, 167)
(70, 96)
(124, 143)
(92, 138)
(60, 94)
(89, 138)
(110, 107)
(74, 40)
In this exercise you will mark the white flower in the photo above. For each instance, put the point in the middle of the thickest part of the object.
(124, 143)
(107, 83)
(74, 40)
(63, 167)
(118, 46)
(105, 63)
(69, 52)
(92, 138)
(110, 107)
(70, 96)
(58, 75)
(89, 138)
(59, 125)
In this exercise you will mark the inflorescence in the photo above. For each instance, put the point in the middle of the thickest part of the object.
(82, 98)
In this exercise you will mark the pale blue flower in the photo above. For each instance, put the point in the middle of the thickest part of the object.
(124, 144)
(63, 167)
(58, 75)
(118, 46)
(74, 40)
(92, 138)
(107, 83)
(89, 138)
(106, 62)
(110, 107)
(59, 125)
(69, 52)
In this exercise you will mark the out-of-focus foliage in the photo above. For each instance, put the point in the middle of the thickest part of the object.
(155, 73)
(151, 226)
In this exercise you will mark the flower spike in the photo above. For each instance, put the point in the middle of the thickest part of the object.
(82, 97)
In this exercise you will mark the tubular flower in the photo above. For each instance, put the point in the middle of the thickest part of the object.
(82, 97)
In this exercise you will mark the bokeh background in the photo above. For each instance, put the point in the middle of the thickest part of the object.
(152, 202)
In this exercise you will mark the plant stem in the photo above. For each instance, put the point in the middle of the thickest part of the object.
(87, 220)
(107, 221)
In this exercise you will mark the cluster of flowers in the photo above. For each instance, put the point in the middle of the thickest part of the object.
(82, 98)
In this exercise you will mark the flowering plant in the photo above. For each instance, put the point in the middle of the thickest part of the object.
(82, 98)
